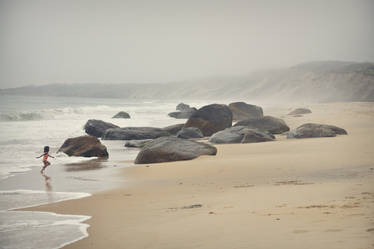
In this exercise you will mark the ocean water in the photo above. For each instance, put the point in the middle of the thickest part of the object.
(27, 124)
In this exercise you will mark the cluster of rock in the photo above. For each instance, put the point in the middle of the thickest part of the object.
(173, 143)
(184, 111)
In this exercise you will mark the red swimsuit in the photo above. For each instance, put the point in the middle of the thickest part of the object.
(45, 157)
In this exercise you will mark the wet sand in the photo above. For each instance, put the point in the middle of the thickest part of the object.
(305, 193)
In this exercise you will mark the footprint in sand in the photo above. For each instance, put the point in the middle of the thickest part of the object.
(292, 182)
(244, 186)
(333, 230)
(298, 231)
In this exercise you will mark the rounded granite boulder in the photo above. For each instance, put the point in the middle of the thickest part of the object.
(210, 119)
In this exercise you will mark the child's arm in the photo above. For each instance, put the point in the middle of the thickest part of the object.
(51, 156)
(40, 156)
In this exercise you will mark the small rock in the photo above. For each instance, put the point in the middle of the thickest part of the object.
(122, 115)
(300, 111)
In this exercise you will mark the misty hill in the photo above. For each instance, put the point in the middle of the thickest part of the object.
(307, 82)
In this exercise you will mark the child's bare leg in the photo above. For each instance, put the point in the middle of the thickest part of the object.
(46, 164)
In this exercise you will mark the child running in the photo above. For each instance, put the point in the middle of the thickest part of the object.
(45, 157)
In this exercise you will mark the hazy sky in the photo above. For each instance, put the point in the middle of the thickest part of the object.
(155, 41)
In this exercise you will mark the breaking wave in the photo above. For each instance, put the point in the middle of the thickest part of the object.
(23, 116)
(57, 113)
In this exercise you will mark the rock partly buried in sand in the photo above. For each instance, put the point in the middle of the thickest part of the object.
(86, 146)
(122, 115)
(210, 119)
(300, 111)
(173, 129)
(266, 123)
(240, 134)
(134, 133)
(97, 128)
(137, 143)
(168, 149)
(316, 130)
(190, 132)
(242, 111)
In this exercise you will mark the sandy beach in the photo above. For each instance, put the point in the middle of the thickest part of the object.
(290, 193)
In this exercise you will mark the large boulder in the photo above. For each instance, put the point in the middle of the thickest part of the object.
(242, 111)
(86, 146)
(316, 130)
(137, 143)
(122, 115)
(266, 123)
(173, 129)
(300, 111)
(167, 149)
(240, 134)
(134, 133)
(97, 128)
(210, 119)
(190, 132)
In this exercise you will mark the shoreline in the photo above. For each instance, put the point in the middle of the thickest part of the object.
(65, 181)
(285, 193)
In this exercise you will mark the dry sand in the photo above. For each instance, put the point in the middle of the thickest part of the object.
(305, 193)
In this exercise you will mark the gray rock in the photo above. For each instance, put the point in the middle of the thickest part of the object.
(211, 119)
(97, 128)
(227, 136)
(173, 129)
(122, 115)
(266, 123)
(240, 134)
(190, 132)
(242, 111)
(316, 130)
(86, 146)
(137, 143)
(256, 136)
(168, 149)
(134, 133)
(183, 114)
(183, 107)
(300, 111)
